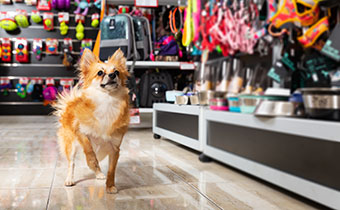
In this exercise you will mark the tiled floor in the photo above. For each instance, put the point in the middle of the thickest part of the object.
(151, 174)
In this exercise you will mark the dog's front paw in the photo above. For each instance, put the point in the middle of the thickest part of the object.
(111, 190)
(69, 183)
(100, 175)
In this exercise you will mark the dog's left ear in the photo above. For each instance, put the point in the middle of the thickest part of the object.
(119, 61)
(118, 58)
(85, 62)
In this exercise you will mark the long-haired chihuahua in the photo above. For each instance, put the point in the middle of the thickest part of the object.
(94, 116)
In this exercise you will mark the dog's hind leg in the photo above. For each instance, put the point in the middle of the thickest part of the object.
(91, 158)
(67, 146)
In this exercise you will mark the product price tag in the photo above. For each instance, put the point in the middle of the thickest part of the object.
(146, 3)
(187, 66)
(134, 116)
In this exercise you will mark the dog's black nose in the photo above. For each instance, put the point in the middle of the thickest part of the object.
(114, 74)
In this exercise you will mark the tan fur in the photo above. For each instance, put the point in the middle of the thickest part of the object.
(93, 117)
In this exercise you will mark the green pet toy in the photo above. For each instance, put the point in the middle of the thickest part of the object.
(63, 28)
(22, 20)
(8, 24)
(35, 17)
(80, 31)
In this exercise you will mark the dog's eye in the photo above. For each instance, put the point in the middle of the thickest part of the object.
(116, 73)
(100, 73)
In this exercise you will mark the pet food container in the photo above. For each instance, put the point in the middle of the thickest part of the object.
(322, 103)
(219, 101)
(182, 100)
(234, 103)
(204, 97)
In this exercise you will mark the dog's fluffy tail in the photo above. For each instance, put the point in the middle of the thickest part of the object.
(64, 98)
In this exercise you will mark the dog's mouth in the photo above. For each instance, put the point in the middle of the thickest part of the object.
(112, 83)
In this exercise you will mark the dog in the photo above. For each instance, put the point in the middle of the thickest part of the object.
(94, 116)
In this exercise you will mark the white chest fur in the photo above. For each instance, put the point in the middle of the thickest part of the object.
(107, 110)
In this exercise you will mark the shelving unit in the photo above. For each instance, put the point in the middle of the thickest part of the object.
(178, 123)
(287, 152)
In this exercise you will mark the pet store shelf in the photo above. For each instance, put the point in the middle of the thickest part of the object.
(261, 146)
(160, 2)
(21, 103)
(318, 129)
(163, 65)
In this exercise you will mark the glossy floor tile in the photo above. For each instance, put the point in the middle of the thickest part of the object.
(151, 174)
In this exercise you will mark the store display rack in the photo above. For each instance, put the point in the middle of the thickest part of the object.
(160, 2)
(300, 155)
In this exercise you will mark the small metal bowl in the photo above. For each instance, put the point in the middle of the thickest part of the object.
(278, 108)
(182, 100)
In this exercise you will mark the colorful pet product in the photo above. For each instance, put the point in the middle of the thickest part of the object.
(30, 86)
(35, 16)
(61, 4)
(50, 92)
(21, 50)
(51, 46)
(82, 5)
(44, 5)
(21, 87)
(66, 84)
(63, 18)
(6, 49)
(48, 21)
(80, 19)
(5, 85)
(7, 21)
(86, 43)
(37, 48)
(37, 93)
(95, 20)
(313, 33)
(21, 18)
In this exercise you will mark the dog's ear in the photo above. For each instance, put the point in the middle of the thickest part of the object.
(86, 60)
(119, 61)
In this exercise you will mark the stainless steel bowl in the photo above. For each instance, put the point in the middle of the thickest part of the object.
(194, 100)
(279, 108)
(322, 103)
(205, 96)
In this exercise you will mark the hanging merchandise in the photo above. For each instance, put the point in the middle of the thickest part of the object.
(31, 2)
(37, 93)
(67, 48)
(80, 19)
(21, 87)
(35, 16)
(188, 25)
(21, 18)
(50, 92)
(85, 44)
(30, 86)
(332, 45)
(48, 21)
(98, 4)
(51, 46)
(44, 5)
(123, 10)
(313, 33)
(196, 16)
(0, 49)
(175, 20)
(63, 18)
(21, 50)
(37, 48)
(5, 85)
(82, 5)
(7, 21)
(61, 4)
(6, 50)
(95, 20)
(66, 84)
